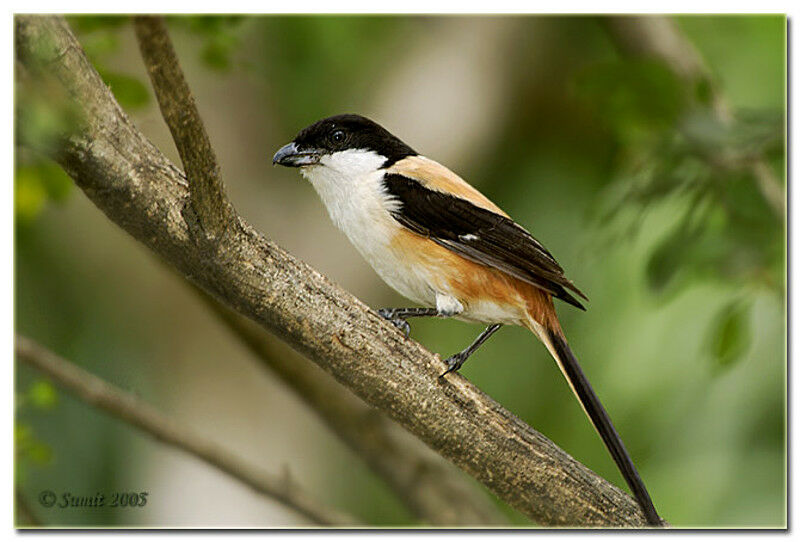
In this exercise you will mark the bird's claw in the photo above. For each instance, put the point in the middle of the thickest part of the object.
(399, 323)
(402, 325)
(454, 363)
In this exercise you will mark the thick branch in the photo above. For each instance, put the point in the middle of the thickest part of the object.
(417, 476)
(211, 206)
(431, 488)
(137, 188)
(130, 409)
(659, 37)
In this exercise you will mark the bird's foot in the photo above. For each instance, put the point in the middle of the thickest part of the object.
(455, 362)
(399, 323)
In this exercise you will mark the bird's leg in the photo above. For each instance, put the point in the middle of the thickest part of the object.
(455, 362)
(398, 316)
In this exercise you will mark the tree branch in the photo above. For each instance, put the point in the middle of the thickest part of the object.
(659, 37)
(431, 488)
(210, 204)
(137, 188)
(430, 491)
(127, 407)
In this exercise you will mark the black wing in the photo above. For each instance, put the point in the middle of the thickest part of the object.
(479, 235)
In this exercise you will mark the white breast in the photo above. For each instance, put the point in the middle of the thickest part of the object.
(350, 184)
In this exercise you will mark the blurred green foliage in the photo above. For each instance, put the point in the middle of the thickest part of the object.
(328, 63)
(635, 98)
(130, 92)
(42, 395)
(731, 333)
(35, 183)
(221, 38)
(619, 167)
(676, 149)
(30, 451)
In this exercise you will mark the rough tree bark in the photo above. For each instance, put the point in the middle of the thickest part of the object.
(431, 489)
(142, 192)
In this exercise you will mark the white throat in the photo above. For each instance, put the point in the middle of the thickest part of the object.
(341, 170)
(349, 184)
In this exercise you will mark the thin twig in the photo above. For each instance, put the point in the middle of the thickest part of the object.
(430, 487)
(211, 206)
(128, 408)
(659, 37)
(141, 191)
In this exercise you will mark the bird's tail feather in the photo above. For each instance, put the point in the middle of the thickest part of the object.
(557, 345)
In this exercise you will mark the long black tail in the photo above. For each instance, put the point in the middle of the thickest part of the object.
(602, 422)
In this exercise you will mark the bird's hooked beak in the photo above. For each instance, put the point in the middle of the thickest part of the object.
(290, 156)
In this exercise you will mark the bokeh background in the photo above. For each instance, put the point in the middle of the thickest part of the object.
(615, 163)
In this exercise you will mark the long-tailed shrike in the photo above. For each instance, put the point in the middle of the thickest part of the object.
(444, 245)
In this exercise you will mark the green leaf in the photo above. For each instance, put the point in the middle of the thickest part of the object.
(22, 434)
(42, 395)
(29, 195)
(99, 45)
(668, 258)
(129, 91)
(40, 453)
(730, 334)
(35, 184)
(28, 447)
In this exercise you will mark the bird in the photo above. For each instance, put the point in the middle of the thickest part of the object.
(445, 246)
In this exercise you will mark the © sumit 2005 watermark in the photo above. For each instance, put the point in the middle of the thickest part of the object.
(115, 499)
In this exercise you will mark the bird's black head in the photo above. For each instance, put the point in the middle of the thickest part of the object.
(341, 133)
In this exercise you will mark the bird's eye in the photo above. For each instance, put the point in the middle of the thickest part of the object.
(337, 136)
